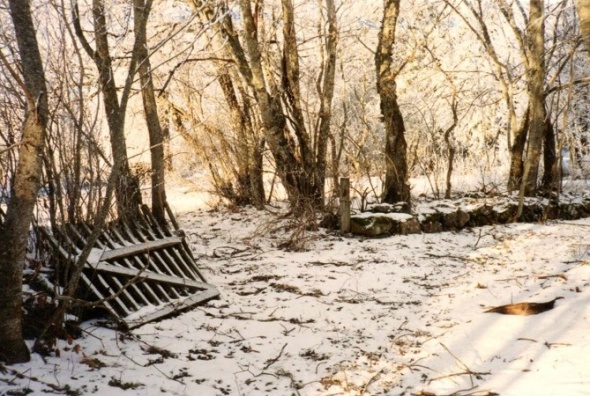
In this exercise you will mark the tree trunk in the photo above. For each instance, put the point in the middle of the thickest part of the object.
(517, 153)
(141, 12)
(536, 88)
(584, 16)
(298, 180)
(515, 134)
(14, 232)
(291, 84)
(278, 101)
(396, 186)
(249, 145)
(551, 175)
(326, 93)
(127, 192)
(249, 156)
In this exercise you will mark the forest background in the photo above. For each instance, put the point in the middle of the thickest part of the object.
(276, 100)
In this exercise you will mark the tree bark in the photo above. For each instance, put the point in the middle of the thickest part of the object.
(142, 10)
(251, 185)
(291, 83)
(396, 186)
(584, 16)
(14, 232)
(250, 145)
(271, 113)
(536, 89)
(517, 153)
(326, 93)
(550, 182)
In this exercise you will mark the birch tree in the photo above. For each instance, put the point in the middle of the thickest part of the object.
(14, 232)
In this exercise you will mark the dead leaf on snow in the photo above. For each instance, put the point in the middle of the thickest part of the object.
(524, 308)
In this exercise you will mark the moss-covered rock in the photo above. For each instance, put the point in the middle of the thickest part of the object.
(371, 225)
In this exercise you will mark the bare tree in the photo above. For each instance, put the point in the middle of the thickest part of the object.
(238, 173)
(516, 130)
(396, 186)
(299, 150)
(534, 58)
(14, 232)
(536, 90)
(127, 192)
(141, 14)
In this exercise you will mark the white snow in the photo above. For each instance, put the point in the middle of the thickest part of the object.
(349, 316)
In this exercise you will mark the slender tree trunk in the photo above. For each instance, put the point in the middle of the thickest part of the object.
(515, 134)
(279, 103)
(517, 153)
(249, 157)
(326, 93)
(291, 84)
(396, 186)
(127, 192)
(298, 180)
(550, 181)
(141, 12)
(584, 16)
(249, 145)
(14, 232)
(271, 112)
(536, 88)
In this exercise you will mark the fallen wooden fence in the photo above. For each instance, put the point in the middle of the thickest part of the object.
(138, 270)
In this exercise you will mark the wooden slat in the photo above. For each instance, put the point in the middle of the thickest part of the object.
(103, 282)
(137, 263)
(154, 265)
(173, 306)
(167, 260)
(131, 250)
(97, 292)
(120, 285)
(173, 280)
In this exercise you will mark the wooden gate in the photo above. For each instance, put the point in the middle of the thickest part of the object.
(139, 271)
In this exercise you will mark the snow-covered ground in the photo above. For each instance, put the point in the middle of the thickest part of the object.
(349, 316)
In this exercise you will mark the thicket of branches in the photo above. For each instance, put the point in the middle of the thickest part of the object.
(277, 100)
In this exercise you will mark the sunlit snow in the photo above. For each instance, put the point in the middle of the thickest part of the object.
(349, 316)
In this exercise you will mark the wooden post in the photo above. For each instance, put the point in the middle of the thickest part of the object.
(344, 205)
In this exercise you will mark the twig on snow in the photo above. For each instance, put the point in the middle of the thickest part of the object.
(459, 393)
(284, 373)
(549, 345)
(467, 371)
(229, 251)
(370, 381)
(153, 366)
(21, 374)
(270, 362)
(562, 276)
(448, 256)
(478, 239)
(286, 331)
(526, 339)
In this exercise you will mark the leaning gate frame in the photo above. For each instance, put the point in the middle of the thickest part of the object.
(139, 270)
